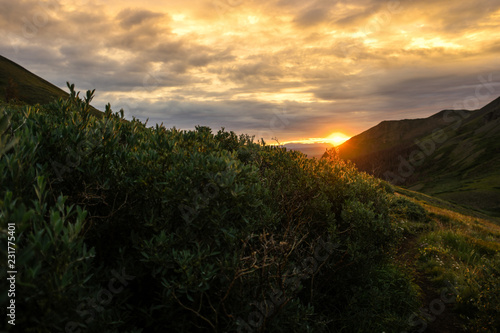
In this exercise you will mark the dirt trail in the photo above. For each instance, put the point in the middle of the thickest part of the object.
(439, 321)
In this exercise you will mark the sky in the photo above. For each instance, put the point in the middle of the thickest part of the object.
(292, 70)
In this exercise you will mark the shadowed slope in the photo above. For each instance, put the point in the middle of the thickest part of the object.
(453, 154)
(28, 87)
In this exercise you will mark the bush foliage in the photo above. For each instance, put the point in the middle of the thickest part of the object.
(127, 228)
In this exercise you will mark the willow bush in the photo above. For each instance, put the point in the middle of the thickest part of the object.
(123, 227)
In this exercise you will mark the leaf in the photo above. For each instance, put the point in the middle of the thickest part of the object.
(87, 278)
(4, 124)
(58, 225)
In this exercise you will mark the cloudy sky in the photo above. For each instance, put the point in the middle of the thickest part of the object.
(289, 69)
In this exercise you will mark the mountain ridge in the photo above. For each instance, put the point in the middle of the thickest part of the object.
(453, 154)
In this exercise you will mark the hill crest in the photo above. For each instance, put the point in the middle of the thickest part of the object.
(31, 88)
(453, 154)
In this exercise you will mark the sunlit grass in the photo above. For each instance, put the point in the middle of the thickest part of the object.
(464, 250)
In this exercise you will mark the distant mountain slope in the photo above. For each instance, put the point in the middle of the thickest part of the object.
(454, 155)
(29, 88)
(390, 134)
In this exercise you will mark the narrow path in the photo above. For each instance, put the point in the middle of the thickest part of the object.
(438, 321)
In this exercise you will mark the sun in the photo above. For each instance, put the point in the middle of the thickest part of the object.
(337, 138)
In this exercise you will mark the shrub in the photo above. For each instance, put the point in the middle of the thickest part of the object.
(405, 208)
(215, 231)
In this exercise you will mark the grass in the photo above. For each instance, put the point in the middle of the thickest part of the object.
(437, 202)
(463, 249)
(480, 194)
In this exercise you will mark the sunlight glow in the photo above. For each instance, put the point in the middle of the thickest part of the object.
(335, 139)
(178, 17)
(428, 43)
(253, 19)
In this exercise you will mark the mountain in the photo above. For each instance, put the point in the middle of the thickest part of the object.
(30, 88)
(453, 155)
(18, 83)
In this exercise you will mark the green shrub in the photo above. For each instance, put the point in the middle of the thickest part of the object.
(410, 210)
(216, 232)
(52, 260)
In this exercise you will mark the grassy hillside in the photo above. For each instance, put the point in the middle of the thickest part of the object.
(30, 88)
(392, 134)
(455, 254)
(19, 84)
(136, 229)
(454, 155)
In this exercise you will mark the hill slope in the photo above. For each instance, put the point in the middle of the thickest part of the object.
(453, 155)
(31, 88)
(27, 87)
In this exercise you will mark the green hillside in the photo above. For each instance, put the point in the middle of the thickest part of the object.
(29, 87)
(19, 84)
(454, 155)
(390, 134)
(123, 228)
